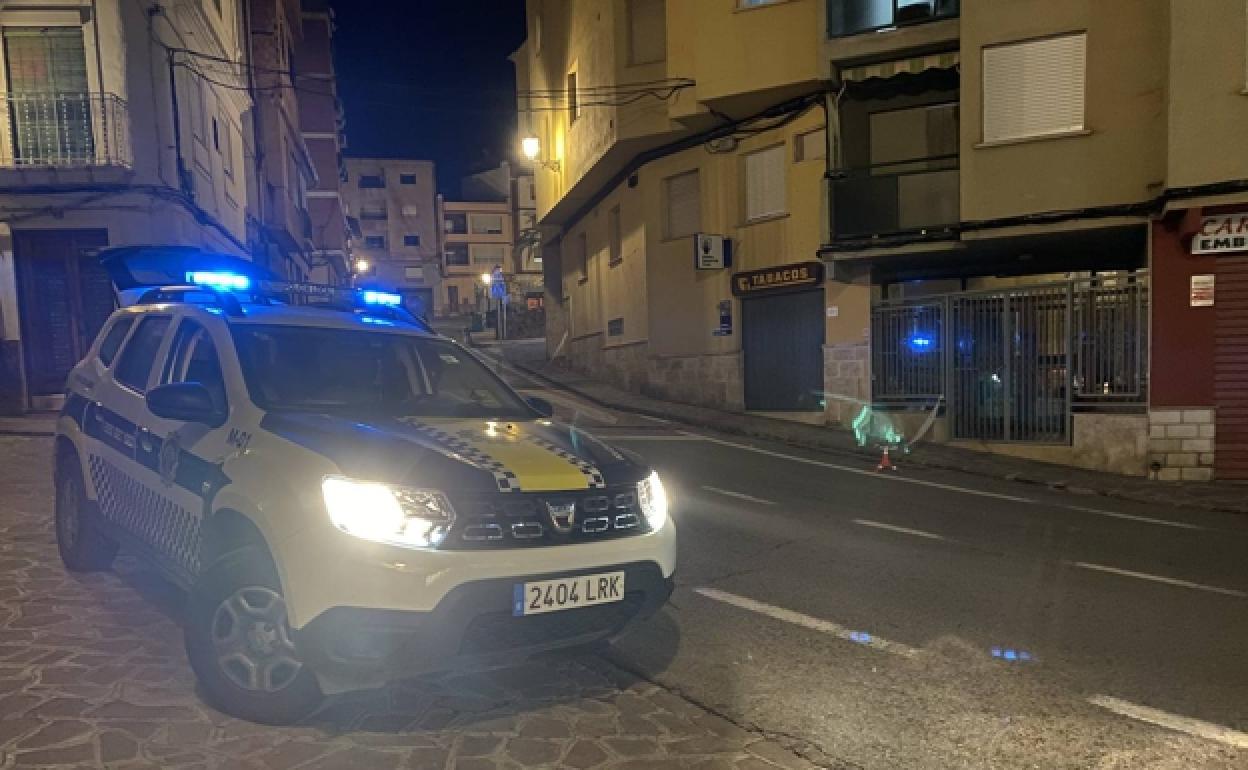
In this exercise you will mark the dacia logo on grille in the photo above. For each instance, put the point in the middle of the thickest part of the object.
(562, 516)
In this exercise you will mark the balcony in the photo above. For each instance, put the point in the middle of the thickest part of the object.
(64, 131)
(895, 198)
(852, 17)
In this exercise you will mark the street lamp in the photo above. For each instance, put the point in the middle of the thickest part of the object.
(362, 265)
(532, 148)
(487, 278)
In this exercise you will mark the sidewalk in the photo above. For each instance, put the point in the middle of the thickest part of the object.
(1223, 497)
(34, 424)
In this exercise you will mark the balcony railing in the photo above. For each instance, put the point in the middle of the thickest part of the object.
(850, 17)
(64, 130)
(894, 198)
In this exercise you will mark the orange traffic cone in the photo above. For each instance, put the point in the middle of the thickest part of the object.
(886, 463)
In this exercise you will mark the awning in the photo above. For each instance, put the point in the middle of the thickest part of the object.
(912, 66)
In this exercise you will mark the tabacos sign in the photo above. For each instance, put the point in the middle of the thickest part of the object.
(780, 278)
(1222, 234)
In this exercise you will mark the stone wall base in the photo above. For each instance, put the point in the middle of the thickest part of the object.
(846, 381)
(1181, 444)
(701, 380)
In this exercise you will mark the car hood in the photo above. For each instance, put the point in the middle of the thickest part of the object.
(461, 454)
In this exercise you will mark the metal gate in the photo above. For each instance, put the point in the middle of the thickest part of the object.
(1012, 363)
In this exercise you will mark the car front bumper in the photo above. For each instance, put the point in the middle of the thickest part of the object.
(471, 627)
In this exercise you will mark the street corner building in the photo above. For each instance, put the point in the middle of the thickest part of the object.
(1018, 228)
(210, 125)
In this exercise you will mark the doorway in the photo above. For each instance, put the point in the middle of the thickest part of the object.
(782, 341)
(64, 297)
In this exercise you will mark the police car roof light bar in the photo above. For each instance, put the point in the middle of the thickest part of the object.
(228, 303)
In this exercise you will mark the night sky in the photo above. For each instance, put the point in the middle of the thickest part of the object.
(430, 79)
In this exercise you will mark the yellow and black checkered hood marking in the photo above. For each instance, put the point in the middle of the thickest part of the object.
(519, 458)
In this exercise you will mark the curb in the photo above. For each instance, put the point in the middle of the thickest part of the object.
(1057, 486)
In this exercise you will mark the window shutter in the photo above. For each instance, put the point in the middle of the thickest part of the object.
(1035, 88)
(647, 22)
(684, 205)
(764, 183)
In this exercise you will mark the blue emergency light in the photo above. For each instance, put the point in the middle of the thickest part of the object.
(220, 281)
(383, 298)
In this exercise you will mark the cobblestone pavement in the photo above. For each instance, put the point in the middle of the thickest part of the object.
(92, 674)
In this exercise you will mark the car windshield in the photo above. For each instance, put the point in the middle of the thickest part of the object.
(294, 368)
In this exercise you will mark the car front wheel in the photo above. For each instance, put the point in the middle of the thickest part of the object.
(239, 642)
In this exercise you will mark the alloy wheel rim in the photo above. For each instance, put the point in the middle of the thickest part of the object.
(251, 637)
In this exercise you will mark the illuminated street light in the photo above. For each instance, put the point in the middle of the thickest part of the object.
(532, 148)
(487, 279)
(362, 265)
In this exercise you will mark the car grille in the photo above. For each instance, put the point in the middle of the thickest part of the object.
(501, 631)
(544, 519)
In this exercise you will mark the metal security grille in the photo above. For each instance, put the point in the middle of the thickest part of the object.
(1012, 363)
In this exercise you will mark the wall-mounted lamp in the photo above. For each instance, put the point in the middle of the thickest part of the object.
(532, 147)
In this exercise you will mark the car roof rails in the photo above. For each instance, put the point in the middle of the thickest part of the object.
(161, 295)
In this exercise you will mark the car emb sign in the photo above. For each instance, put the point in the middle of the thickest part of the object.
(1222, 234)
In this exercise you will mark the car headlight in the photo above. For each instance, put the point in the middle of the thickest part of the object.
(653, 500)
(415, 518)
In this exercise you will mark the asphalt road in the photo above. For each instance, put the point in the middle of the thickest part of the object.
(930, 619)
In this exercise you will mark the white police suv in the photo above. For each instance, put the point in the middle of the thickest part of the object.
(346, 496)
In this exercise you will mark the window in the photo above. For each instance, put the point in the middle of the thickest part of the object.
(456, 223)
(764, 183)
(757, 3)
(527, 192)
(49, 114)
(411, 241)
(452, 297)
(574, 106)
(486, 224)
(683, 203)
(647, 31)
(614, 240)
(528, 220)
(488, 253)
(227, 150)
(135, 363)
(112, 341)
(414, 273)
(375, 211)
(216, 135)
(582, 256)
(306, 369)
(372, 181)
(411, 211)
(457, 254)
(407, 179)
(811, 145)
(1034, 89)
(375, 241)
(193, 358)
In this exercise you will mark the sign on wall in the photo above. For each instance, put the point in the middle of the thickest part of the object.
(711, 252)
(782, 278)
(1222, 234)
(1202, 291)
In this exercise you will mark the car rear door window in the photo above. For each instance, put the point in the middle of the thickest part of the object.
(112, 341)
(193, 358)
(135, 363)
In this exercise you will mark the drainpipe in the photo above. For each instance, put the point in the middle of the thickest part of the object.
(99, 70)
(177, 128)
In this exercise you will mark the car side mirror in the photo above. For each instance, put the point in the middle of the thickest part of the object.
(541, 406)
(185, 402)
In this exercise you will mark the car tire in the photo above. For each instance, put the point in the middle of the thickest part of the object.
(239, 643)
(83, 547)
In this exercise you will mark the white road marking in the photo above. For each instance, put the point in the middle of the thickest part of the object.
(1130, 517)
(738, 495)
(902, 530)
(863, 472)
(1195, 727)
(812, 623)
(653, 419)
(1158, 579)
(655, 437)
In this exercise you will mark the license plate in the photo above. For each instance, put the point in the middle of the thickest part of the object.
(543, 596)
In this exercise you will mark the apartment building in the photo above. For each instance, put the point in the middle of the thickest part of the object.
(322, 127)
(477, 236)
(280, 226)
(927, 217)
(393, 199)
(121, 123)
